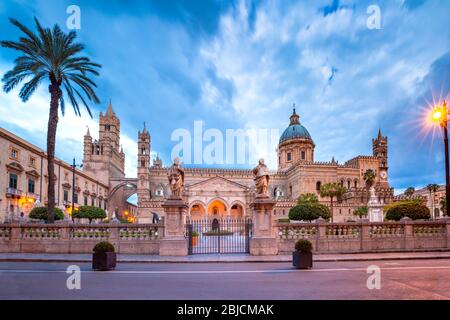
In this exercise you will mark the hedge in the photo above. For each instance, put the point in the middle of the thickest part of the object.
(410, 209)
(309, 212)
(41, 213)
(89, 212)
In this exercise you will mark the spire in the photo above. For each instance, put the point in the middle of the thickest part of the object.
(145, 128)
(88, 133)
(110, 111)
(294, 117)
(379, 134)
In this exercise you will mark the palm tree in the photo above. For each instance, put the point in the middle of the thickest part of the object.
(443, 204)
(51, 55)
(432, 188)
(307, 198)
(369, 177)
(332, 190)
(409, 192)
(361, 211)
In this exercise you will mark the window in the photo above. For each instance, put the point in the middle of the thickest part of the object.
(107, 127)
(289, 156)
(142, 163)
(31, 185)
(356, 184)
(318, 184)
(85, 200)
(75, 197)
(92, 201)
(13, 180)
(348, 184)
(104, 204)
(14, 153)
(32, 162)
(303, 155)
(66, 195)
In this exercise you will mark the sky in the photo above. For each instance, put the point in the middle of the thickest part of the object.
(241, 65)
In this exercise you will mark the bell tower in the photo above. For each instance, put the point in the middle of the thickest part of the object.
(380, 151)
(143, 165)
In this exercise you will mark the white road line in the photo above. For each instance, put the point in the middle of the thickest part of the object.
(227, 271)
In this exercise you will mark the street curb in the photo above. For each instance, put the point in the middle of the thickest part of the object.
(349, 259)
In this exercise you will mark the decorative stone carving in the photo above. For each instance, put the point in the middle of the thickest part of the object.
(261, 177)
(176, 178)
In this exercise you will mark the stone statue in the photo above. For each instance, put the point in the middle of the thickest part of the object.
(261, 178)
(176, 178)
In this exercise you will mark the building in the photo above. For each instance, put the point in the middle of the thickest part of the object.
(430, 199)
(229, 192)
(24, 179)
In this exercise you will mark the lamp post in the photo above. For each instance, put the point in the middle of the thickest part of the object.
(440, 115)
(74, 166)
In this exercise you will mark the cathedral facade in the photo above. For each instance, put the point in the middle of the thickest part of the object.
(221, 193)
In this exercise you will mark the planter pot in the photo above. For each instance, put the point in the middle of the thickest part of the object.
(194, 241)
(104, 261)
(302, 260)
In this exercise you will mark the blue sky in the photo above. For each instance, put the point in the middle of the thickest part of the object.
(241, 64)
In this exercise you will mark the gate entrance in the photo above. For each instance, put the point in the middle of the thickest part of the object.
(219, 236)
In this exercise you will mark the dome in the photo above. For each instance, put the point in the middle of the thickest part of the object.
(295, 130)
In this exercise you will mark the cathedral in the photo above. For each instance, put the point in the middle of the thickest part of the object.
(221, 193)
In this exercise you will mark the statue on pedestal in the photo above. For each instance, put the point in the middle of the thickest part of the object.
(261, 178)
(176, 178)
(375, 208)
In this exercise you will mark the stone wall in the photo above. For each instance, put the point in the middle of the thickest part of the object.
(79, 238)
(364, 236)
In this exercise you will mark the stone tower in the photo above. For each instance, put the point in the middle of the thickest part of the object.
(143, 164)
(105, 157)
(295, 145)
(380, 151)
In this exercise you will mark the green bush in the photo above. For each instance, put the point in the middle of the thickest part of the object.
(41, 213)
(309, 212)
(410, 209)
(103, 247)
(89, 212)
(303, 245)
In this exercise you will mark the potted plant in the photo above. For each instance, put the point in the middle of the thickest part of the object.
(104, 257)
(302, 256)
(194, 238)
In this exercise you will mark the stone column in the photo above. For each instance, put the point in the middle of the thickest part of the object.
(174, 243)
(263, 241)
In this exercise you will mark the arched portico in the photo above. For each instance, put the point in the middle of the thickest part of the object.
(217, 208)
(197, 210)
(237, 210)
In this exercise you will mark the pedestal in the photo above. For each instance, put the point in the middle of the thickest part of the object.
(263, 241)
(174, 243)
(375, 212)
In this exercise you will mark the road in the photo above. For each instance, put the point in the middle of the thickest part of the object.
(405, 279)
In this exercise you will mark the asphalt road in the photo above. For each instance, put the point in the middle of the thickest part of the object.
(406, 279)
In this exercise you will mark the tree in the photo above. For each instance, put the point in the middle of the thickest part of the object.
(443, 204)
(432, 188)
(332, 190)
(407, 208)
(51, 55)
(309, 212)
(308, 198)
(361, 211)
(41, 213)
(369, 177)
(89, 212)
(409, 192)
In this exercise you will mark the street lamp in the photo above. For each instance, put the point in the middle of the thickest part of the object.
(440, 115)
(74, 166)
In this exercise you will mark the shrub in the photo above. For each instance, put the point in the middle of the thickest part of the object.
(411, 209)
(103, 247)
(309, 212)
(41, 213)
(307, 198)
(361, 211)
(303, 245)
(89, 212)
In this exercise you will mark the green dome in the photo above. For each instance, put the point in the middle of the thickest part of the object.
(295, 130)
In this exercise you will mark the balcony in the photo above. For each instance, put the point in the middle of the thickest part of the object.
(13, 192)
(31, 195)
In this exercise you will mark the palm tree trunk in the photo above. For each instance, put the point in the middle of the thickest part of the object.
(331, 208)
(55, 93)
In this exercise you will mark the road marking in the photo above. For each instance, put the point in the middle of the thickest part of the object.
(227, 271)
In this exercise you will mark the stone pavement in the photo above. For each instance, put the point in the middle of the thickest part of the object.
(222, 258)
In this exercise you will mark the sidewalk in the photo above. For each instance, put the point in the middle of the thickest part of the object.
(221, 258)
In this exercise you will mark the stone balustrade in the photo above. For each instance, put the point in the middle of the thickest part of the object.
(80, 238)
(365, 236)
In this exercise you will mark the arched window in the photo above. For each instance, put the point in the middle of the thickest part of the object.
(97, 149)
(318, 185)
(303, 155)
(101, 150)
(356, 184)
(107, 127)
(92, 149)
(142, 163)
(348, 184)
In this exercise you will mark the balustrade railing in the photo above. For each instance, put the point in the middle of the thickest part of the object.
(295, 231)
(40, 232)
(89, 232)
(139, 232)
(5, 233)
(339, 231)
(427, 229)
(386, 230)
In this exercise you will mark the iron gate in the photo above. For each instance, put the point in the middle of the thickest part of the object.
(219, 235)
